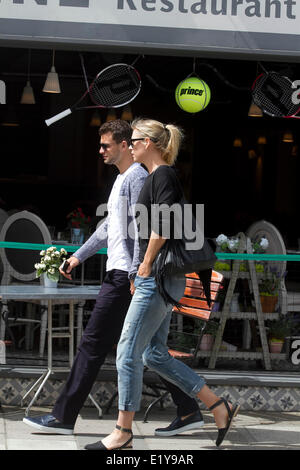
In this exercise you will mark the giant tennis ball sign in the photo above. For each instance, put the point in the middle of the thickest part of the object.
(192, 95)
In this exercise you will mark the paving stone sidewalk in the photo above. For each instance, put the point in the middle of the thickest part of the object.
(252, 430)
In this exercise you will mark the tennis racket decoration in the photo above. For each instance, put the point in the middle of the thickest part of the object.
(273, 93)
(115, 86)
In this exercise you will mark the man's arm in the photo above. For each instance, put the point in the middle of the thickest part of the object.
(136, 185)
(96, 241)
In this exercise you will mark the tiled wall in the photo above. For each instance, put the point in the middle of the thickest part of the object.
(250, 398)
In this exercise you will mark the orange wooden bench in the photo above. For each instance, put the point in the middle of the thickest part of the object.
(196, 307)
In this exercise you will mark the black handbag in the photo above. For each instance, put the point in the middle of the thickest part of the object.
(175, 258)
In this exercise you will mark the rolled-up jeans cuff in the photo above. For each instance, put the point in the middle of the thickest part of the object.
(198, 388)
(127, 408)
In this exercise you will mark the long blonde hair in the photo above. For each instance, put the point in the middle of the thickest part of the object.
(167, 137)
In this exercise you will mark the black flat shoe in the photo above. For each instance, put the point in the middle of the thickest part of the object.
(100, 446)
(231, 414)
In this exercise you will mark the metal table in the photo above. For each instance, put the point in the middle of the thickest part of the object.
(70, 295)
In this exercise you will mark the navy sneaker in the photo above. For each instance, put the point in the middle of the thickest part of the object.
(178, 425)
(49, 424)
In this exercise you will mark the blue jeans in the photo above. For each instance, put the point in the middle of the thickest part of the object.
(143, 341)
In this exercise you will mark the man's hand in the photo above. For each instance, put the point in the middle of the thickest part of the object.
(73, 262)
(132, 288)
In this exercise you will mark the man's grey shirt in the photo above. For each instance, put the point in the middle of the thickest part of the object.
(129, 193)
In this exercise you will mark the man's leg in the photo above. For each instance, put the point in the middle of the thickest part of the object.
(100, 335)
(188, 416)
(186, 405)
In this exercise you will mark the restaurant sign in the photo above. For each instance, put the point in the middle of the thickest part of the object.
(240, 26)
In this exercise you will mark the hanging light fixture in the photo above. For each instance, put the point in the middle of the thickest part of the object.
(288, 137)
(255, 111)
(237, 142)
(252, 154)
(52, 80)
(27, 95)
(127, 113)
(262, 140)
(111, 115)
(294, 152)
(95, 120)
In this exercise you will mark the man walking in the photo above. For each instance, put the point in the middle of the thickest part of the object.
(105, 324)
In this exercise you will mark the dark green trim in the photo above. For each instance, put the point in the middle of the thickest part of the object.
(72, 248)
(37, 246)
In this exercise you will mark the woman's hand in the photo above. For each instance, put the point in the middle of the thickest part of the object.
(144, 269)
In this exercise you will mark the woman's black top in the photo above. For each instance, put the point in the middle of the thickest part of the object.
(161, 187)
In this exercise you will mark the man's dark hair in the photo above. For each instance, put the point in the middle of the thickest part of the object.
(121, 130)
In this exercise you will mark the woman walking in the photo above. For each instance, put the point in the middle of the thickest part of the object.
(145, 331)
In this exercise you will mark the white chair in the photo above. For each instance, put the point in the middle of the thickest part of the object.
(276, 246)
(26, 227)
(18, 267)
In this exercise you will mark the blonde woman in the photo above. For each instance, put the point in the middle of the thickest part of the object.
(145, 331)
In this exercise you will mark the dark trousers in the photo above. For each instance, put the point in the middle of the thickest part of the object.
(100, 335)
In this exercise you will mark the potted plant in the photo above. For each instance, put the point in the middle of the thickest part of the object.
(268, 290)
(207, 339)
(225, 245)
(51, 259)
(259, 246)
(79, 225)
(278, 331)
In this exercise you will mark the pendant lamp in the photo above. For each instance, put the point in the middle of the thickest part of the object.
(52, 80)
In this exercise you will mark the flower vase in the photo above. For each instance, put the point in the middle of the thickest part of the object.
(77, 236)
(48, 282)
(275, 346)
(268, 303)
(207, 342)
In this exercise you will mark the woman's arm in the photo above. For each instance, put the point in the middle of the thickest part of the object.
(165, 192)
(155, 244)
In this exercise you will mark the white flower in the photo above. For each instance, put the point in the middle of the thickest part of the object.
(264, 243)
(233, 244)
(221, 239)
(50, 258)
